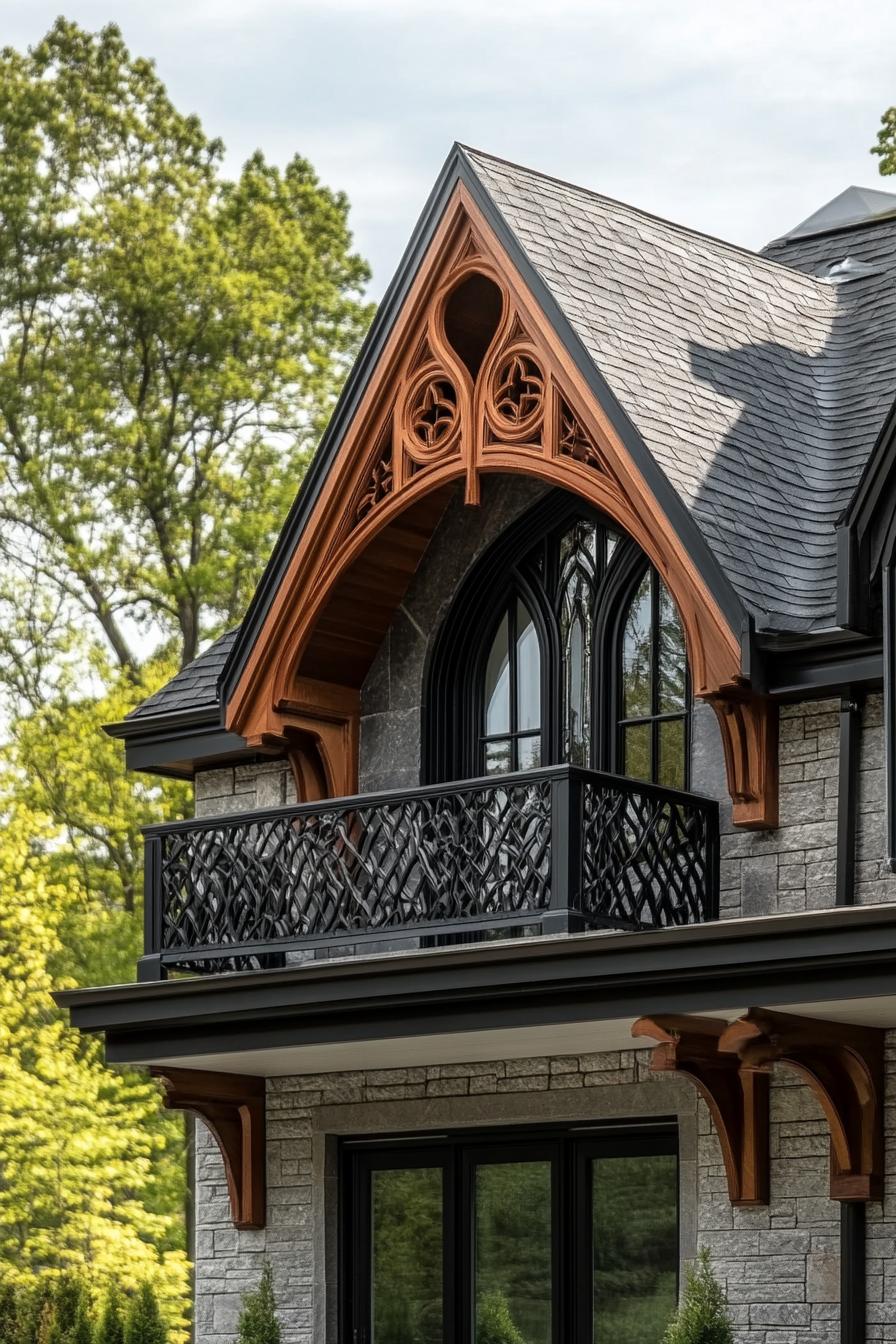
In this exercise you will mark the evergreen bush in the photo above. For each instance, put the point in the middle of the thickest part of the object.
(143, 1324)
(110, 1329)
(703, 1316)
(258, 1318)
(495, 1324)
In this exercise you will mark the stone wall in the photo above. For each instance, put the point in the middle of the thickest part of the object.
(392, 695)
(780, 1264)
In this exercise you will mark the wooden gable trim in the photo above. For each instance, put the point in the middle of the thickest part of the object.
(232, 1106)
(425, 427)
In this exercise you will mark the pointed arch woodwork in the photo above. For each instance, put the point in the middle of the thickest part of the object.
(435, 417)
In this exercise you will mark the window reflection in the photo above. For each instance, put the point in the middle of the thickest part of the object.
(511, 737)
(406, 1270)
(635, 1203)
(549, 657)
(513, 1247)
(654, 692)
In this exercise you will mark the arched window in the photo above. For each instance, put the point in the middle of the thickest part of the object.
(563, 644)
(511, 708)
(653, 705)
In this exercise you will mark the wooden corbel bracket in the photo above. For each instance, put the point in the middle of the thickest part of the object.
(749, 728)
(844, 1067)
(738, 1099)
(232, 1106)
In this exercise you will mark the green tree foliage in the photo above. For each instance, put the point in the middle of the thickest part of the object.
(110, 1327)
(494, 1323)
(703, 1316)
(171, 342)
(258, 1318)
(9, 1314)
(80, 1145)
(144, 1324)
(885, 148)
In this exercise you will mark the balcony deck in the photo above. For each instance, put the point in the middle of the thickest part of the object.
(546, 851)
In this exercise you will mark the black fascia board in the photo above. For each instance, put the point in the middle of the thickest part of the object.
(866, 523)
(173, 743)
(458, 169)
(838, 954)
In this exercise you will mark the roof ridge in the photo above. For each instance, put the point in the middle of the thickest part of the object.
(738, 248)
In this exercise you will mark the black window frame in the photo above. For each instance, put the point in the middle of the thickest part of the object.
(570, 1147)
(453, 710)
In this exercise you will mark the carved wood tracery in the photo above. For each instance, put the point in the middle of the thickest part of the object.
(844, 1067)
(232, 1105)
(738, 1099)
(436, 419)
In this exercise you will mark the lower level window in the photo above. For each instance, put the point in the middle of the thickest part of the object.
(520, 1238)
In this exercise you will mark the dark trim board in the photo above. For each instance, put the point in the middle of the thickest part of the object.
(835, 955)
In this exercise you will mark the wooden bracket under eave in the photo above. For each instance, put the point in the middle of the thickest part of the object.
(749, 727)
(232, 1106)
(844, 1067)
(738, 1099)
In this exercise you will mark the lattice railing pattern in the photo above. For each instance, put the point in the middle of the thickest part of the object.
(648, 857)
(234, 892)
(357, 868)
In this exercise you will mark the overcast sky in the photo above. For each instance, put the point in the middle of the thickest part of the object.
(738, 117)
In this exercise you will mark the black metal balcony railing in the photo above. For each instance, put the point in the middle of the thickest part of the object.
(556, 849)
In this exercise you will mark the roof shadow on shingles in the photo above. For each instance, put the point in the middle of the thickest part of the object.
(195, 687)
(758, 389)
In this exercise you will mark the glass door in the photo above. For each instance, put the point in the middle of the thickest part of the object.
(514, 1246)
(539, 1238)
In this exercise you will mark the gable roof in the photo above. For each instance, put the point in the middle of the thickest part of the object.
(194, 687)
(855, 205)
(749, 388)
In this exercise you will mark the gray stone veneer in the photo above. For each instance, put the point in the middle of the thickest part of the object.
(780, 1264)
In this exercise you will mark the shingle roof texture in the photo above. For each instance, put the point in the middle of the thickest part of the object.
(194, 687)
(757, 387)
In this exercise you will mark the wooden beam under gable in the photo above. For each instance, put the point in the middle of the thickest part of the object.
(432, 421)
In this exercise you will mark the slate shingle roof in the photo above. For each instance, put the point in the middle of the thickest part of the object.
(194, 687)
(757, 387)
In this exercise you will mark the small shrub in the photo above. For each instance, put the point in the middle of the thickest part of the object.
(9, 1312)
(258, 1318)
(110, 1329)
(495, 1324)
(144, 1324)
(703, 1316)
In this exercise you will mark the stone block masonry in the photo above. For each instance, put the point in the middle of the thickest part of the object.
(780, 1264)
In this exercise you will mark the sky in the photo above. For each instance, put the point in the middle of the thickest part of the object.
(736, 117)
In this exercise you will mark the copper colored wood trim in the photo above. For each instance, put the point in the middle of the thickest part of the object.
(749, 728)
(233, 1107)
(844, 1067)
(427, 425)
(738, 1099)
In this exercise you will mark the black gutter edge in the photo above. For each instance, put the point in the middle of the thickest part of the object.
(776, 960)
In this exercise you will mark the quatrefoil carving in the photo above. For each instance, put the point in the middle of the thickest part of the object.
(432, 417)
(518, 392)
